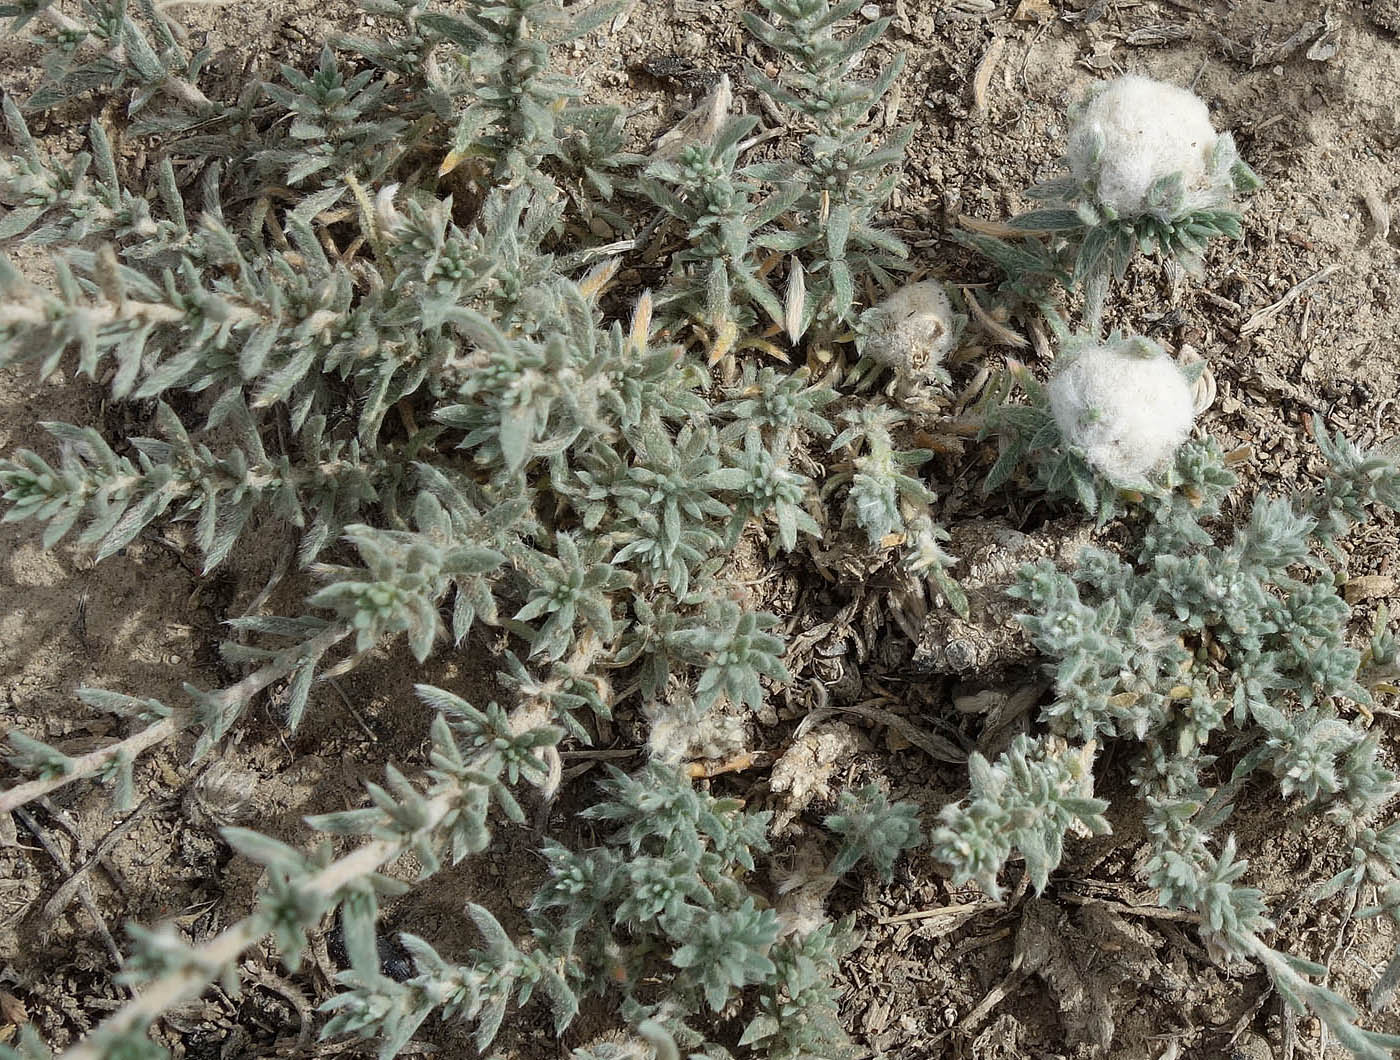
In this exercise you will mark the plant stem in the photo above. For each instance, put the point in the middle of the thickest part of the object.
(179, 720)
(94, 761)
(225, 948)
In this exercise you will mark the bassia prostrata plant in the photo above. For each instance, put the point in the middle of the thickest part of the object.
(366, 300)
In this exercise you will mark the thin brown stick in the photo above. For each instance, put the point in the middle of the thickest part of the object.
(713, 767)
(1149, 912)
(936, 747)
(994, 329)
(958, 909)
(984, 1008)
(982, 79)
(84, 891)
(62, 897)
(1268, 314)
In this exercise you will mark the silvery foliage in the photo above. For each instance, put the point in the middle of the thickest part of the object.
(662, 896)
(872, 828)
(882, 497)
(1209, 658)
(426, 391)
(848, 174)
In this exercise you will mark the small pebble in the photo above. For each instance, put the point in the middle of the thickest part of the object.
(870, 12)
(694, 43)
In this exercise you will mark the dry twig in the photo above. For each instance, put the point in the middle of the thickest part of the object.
(76, 881)
(1269, 313)
(84, 891)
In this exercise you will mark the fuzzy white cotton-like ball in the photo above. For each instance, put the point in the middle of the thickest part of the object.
(1126, 404)
(912, 330)
(1148, 130)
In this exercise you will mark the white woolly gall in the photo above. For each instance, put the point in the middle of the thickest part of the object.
(912, 330)
(678, 735)
(1133, 132)
(1125, 404)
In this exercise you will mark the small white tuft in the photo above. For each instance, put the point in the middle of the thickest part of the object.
(386, 215)
(912, 330)
(1146, 130)
(802, 890)
(1125, 403)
